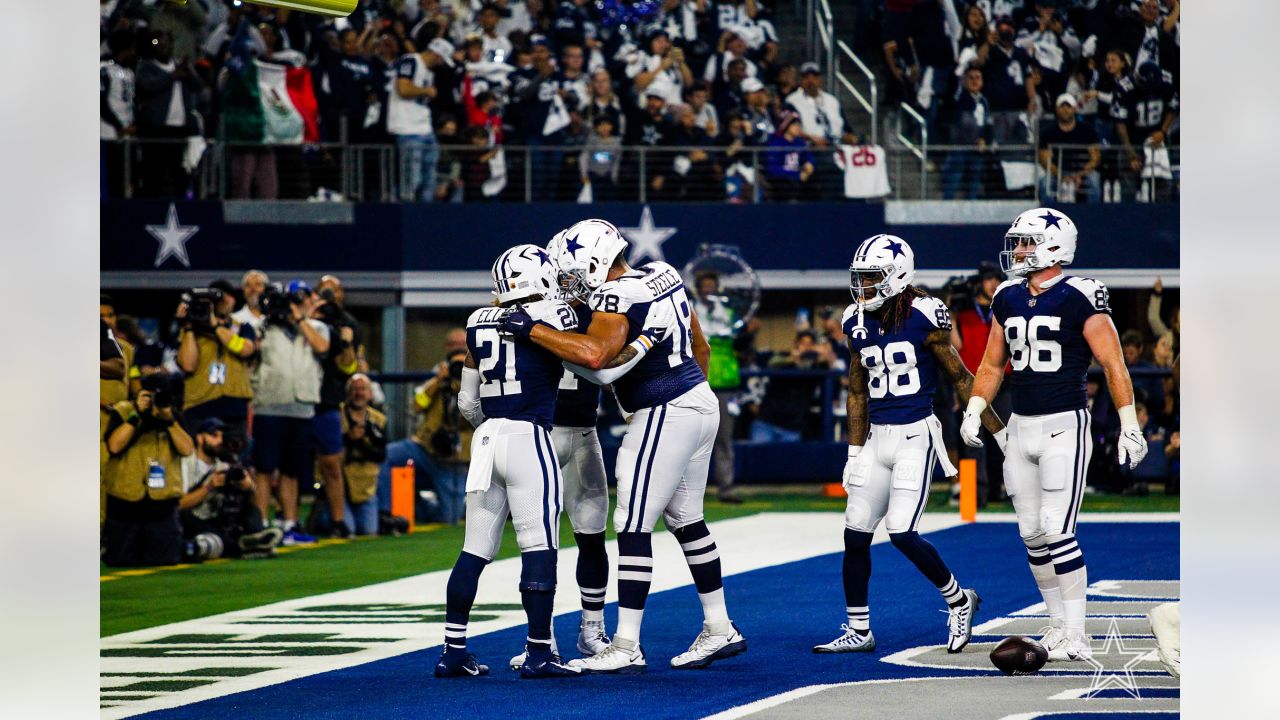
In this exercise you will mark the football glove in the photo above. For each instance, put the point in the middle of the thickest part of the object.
(1132, 443)
(517, 323)
(847, 477)
(971, 426)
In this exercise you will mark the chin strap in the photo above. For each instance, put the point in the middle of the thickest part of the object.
(859, 331)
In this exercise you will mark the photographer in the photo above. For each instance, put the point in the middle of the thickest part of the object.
(788, 399)
(970, 330)
(144, 478)
(214, 353)
(340, 363)
(217, 512)
(440, 447)
(286, 388)
(364, 436)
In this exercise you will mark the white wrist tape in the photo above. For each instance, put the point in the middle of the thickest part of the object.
(1128, 416)
(976, 406)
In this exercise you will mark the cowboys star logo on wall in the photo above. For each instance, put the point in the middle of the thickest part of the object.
(646, 239)
(173, 238)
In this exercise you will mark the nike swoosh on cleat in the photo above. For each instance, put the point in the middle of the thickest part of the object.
(470, 671)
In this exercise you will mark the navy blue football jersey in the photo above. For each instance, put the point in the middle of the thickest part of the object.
(518, 379)
(579, 399)
(1047, 349)
(902, 373)
(669, 370)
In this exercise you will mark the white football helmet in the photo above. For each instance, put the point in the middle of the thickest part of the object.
(522, 272)
(588, 251)
(1043, 237)
(885, 263)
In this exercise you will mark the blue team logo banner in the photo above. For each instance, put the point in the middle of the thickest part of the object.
(162, 236)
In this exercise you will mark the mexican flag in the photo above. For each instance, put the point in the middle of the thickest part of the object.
(266, 102)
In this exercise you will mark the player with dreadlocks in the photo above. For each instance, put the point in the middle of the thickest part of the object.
(898, 336)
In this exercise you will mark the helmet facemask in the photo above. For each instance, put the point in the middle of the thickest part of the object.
(573, 285)
(862, 280)
(1027, 243)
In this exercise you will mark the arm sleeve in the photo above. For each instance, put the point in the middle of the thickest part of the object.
(605, 376)
(1158, 327)
(469, 397)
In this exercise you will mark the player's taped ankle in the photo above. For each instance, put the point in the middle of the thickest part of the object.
(538, 571)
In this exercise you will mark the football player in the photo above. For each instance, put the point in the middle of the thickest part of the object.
(898, 338)
(1049, 326)
(665, 454)
(586, 492)
(509, 393)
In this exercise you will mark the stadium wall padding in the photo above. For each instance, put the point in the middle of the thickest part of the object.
(456, 237)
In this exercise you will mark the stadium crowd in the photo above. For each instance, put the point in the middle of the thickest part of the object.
(215, 425)
(700, 85)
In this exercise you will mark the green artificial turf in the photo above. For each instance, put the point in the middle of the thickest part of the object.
(136, 599)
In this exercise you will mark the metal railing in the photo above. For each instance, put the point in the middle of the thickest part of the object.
(870, 104)
(916, 169)
(825, 24)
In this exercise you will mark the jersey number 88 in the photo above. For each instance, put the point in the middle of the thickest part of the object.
(891, 370)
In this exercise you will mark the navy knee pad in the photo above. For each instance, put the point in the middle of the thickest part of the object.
(538, 571)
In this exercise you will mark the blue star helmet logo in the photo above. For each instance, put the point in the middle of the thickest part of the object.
(543, 258)
(573, 246)
(896, 247)
(1051, 220)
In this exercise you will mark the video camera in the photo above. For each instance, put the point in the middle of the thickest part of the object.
(200, 303)
(277, 304)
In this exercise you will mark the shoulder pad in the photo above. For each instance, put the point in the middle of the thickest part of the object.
(934, 311)
(617, 296)
(1094, 292)
(556, 313)
(1002, 286)
(849, 313)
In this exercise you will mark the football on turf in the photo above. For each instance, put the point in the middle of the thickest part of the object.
(1019, 656)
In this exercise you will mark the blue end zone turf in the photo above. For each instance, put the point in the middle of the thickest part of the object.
(782, 610)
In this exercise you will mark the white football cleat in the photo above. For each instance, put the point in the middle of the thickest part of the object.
(613, 659)
(517, 661)
(592, 639)
(960, 622)
(1074, 647)
(1052, 638)
(850, 641)
(709, 647)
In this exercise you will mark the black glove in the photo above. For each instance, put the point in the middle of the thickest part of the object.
(517, 323)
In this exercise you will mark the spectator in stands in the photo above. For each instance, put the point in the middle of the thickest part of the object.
(1145, 37)
(730, 47)
(652, 129)
(737, 160)
(972, 315)
(1070, 156)
(604, 101)
(1008, 85)
(962, 171)
(788, 162)
(786, 81)
(143, 479)
(1054, 45)
(165, 101)
(698, 98)
(475, 162)
(756, 111)
(1144, 109)
(935, 59)
(572, 79)
(973, 34)
(693, 174)
(662, 70)
(218, 502)
(286, 388)
(1146, 387)
(364, 433)
(784, 412)
(1154, 319)
(252, 284)
(821, 120)
(1115, 68)
(899, 55)
(542, 119)
(496, 47)
(116, 90)
(347, 81)
(214, 354)
(729, 95)
(440, 448)
(409, 120)
(601, 159)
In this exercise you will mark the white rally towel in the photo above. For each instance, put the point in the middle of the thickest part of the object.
(1018, 174)
(935, 429)
(484, 446)
(866, 174)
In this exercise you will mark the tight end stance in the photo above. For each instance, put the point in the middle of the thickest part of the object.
(1049, 326)
(898, 337)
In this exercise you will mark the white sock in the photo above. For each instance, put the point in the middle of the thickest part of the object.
(629, 620)
(593, 616)
(1047, 581)
(1073, 588)
(714, 612)
(859, 619)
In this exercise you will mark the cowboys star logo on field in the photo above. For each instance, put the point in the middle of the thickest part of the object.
(646, 239)
(1105, 662)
